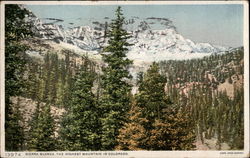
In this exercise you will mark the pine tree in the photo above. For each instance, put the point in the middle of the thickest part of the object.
(47, 77)
(54, 78)
(33, 87)
(151, 96)
(67, 78)
(42, 129)
(132, 136)
(115, 88)
(16, 30)
(169, 126)
(15, 136)
(238, 119)
(80, 125)
(175, 131)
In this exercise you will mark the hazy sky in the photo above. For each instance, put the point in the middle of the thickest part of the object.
(220, 24)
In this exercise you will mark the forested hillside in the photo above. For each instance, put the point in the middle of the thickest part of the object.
(214, 69)
(204, 84)
(62, 100)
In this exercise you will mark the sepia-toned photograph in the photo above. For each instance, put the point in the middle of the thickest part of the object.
(95, 79)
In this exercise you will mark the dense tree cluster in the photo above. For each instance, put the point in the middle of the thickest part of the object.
(165, 125)
(41, 135)
(221, 66)
(100, 111)
(52, 77)
(213, 111)
(16, 30)
(217, 115)
(79, 127)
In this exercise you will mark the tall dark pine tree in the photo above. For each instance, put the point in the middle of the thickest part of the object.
(16, 29)
(151, 94)
(238, 120)
(47, 77)
(42, 131)
(80, 125)
(151, 98)
(116, 89)
(168, 126)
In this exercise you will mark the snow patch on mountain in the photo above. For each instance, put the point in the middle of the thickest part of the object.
(157, 45)
(154, 39)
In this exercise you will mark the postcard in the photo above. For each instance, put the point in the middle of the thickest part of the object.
(141, 79)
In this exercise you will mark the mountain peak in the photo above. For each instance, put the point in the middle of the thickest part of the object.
(154, 38)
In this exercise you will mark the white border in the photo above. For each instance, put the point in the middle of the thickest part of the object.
(246, 78)
(139, 154)
(121, 2)
(2, 77)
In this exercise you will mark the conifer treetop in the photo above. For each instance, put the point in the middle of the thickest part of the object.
(117, 37)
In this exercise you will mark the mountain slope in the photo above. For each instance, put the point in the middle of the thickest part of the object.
(154, 39)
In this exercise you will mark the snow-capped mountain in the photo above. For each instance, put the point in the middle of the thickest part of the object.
(154, 39)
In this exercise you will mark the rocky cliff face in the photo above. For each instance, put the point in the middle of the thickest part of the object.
(154, 39)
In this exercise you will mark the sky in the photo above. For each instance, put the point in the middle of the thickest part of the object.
(219, 24)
